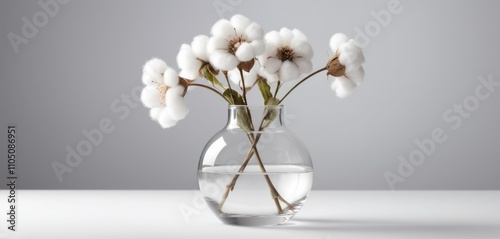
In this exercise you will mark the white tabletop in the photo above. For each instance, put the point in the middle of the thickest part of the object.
(183, 214)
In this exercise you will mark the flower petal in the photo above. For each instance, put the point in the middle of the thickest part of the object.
(222, 28)
(150, 97)
(224, 60)
(166, 120)
(155, 112)
(273, 37)
(240, 23)
(188, 62)
(286, 36)
(305, 66)
(288, 71)
(272, 65)
(149, 79)
(170, 77)
(199, 46)
(302, 49)
(298, 35)
(152, 71)
(351, 54)
(336, 40)
(355, 74)
(245, 52)
(343, 87)
(254, 32)
(216, 44)
(258, 47)
(176, 106)
(155, 66)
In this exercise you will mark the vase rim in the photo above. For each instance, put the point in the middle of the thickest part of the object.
(256, 106)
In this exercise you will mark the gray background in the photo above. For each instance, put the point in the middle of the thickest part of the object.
(68, 77)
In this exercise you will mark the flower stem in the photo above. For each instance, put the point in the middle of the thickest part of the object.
(244, 88)
(228, 85)
(210, 88)
(254, 151)
(278, 86)
(300, 82)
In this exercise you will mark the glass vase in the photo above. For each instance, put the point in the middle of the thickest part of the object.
(254, 171)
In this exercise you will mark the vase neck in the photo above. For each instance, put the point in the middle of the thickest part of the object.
(255, 118)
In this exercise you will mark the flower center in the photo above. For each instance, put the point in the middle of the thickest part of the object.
(234, 43)
(285, 53)
(162, 91)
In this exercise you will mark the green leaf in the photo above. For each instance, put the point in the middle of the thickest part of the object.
(269, 116)
(244, 119)
(273, 101)
(265, 90)
(210, 77)
(233, 97)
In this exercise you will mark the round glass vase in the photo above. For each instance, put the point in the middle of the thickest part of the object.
(255, 172)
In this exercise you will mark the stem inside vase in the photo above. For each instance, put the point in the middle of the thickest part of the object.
(247, 125)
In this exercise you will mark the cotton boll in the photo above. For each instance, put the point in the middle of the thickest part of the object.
(305, 66)
(188, 62)
(272, 38)
(234, 76)
(186, 57)
(272, 65)
(350, 54)
(343, 87)
(222, 28)
(155, 112)
(336, 40)
(302, 49)
(355, 74)
(189, 74)
(224, 60)
(170, 77)
(176, 106)
(254, 32)
(245, 52)
(155, 66)
(216, 44)
(298, 35)
(149, 79)
(240, 22)
(258, 47)
(152, 71)
(270, 50)
(165, 120)
(251, 77)
(199, 47)
(272, 78)
(150, 97)
(288, 71)
(286, 36)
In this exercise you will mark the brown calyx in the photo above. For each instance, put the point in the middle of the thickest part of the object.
(247, 65)
(334, 67)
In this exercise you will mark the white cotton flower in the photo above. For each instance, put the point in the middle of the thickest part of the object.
(163, 95)
(192, 57)
(234, 41)
(345, 65)
(287, 55)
